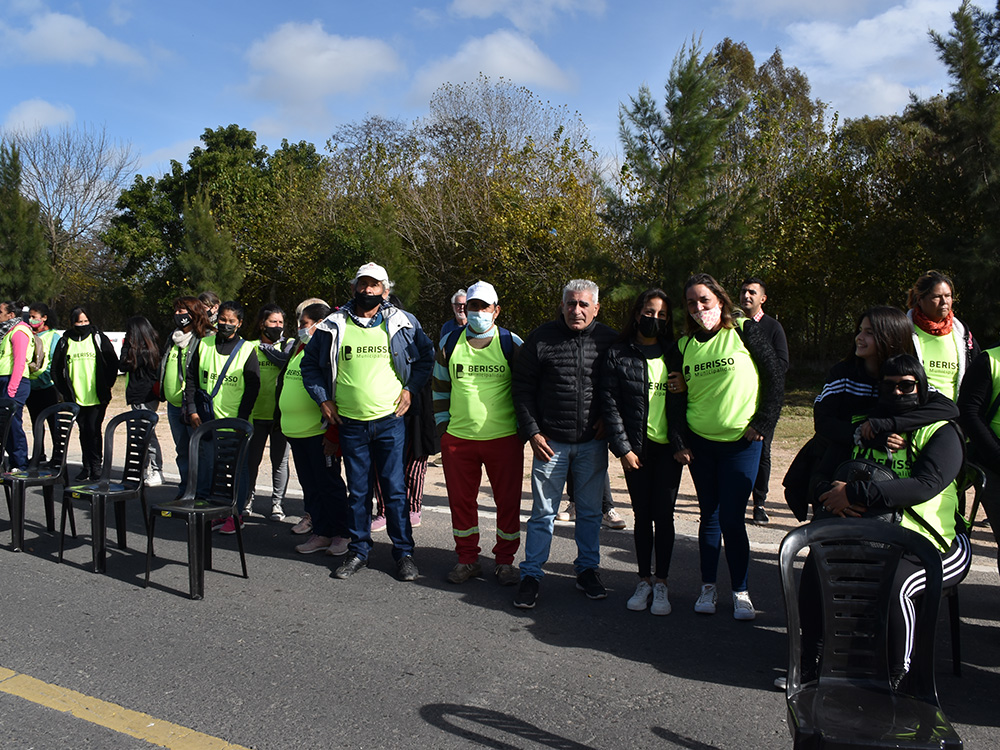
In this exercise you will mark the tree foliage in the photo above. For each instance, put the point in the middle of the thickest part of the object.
(25, 272)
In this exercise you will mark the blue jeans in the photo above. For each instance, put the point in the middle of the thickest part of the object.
(17, 443)
(376, 448)
(588, 464)
(723, 475)
(323, 491)
(181, 434)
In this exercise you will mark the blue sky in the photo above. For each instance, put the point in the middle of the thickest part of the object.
(157, 74)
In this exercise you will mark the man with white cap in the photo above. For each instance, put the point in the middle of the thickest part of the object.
(361, 366)
(474, 413)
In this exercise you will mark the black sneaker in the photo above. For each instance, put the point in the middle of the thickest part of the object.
(589, 582)
(760, 516)
(351, 565)
(406, 569)
(527, 593)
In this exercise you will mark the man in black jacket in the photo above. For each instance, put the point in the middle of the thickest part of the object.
(753, 294)
(558, 413)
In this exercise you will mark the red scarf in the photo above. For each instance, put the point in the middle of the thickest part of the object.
(933, 327)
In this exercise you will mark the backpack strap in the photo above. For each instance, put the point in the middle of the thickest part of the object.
(225, 367)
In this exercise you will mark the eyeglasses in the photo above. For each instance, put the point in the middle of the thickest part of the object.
(903, 386)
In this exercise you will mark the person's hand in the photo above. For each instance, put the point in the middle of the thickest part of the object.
(752, 435)
(630, 462)
(684, 457)
(599, 429)
(540, 447)
(835, 499)
(402, 402)
(329, 410)
(895, 442)
(675, 383)
(330, 447)
(867, 432)
(194, 420)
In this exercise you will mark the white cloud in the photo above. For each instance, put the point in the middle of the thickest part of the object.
(60, 38)
(120, 12)
(869, 66)
(157, 163)
(502, 53)
(38, 113)
(794, 9)
(299, 64)
(526, 15)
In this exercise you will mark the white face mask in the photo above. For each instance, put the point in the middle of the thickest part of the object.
(480, 321)
(304, 335)
(708, 319)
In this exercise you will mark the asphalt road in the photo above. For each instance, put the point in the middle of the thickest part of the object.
(292, 658)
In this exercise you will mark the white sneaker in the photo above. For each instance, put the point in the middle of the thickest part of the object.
(742, 606)
(661, 604)
(640, 599)
(612, 520)
(706, 600)
(154, 478)
(568, 513)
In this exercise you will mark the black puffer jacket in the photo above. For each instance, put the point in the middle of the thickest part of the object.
(555, 381)
(625, 399)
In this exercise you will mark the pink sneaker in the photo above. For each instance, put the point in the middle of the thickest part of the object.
(229, 527)
(338, 546)
(414, 518)
(305, 526)
(378, 523)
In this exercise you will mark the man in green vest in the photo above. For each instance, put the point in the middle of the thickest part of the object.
(474, 413)
(360, 366)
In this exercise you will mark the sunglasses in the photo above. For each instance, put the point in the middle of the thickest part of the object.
(903, 386)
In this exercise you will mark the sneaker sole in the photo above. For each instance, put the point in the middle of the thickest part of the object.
(311, 551)
(745, 617)
(524, 605)
(603, 595)
(705, 610)
(636, 607)
(662, 613)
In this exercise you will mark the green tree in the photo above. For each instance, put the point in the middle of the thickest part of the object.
(25, 270)
(208, 260)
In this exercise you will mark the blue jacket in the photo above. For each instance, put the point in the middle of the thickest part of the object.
(411, 349)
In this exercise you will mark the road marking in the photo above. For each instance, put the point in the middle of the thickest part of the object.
(109, 715)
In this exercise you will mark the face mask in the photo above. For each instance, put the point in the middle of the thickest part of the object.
(213, 318)
(82, 328)
(651, 327)
(895, 403)
(182, 320)
(35, 323)
(226, 330)
(304, 335)
(366, 302)
(480, 321)
(708, 319)
(273, 333)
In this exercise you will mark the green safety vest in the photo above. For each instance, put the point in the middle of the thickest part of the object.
(263, 408)
(81, 363)
(367, 384)
(174, 373)
(993, 357)
(210, 363)
(44, 376)
(7, 350)
(482, 407)
(939, 355)
(300, 414)
(723, 385)
(656, 416)
(939, 511)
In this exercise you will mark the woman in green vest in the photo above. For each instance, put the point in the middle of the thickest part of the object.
(85, 367)
(17, 348)
(192, 326)
(272, 354)
(728, 398)
(925, 492)
(943, 344)
(316, 463)
(43, 388)
(235, 390)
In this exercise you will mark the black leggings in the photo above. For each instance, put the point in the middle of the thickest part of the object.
(653, 492)
(91, 420)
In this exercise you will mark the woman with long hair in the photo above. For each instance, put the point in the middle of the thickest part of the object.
(140, 361)
(85, 367)
(633, 386)
(728, 398)
(273, 351)
(191, 326)
(943, 344)
(17, 349)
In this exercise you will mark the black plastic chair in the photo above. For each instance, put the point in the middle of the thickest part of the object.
(229, 440)
(852, 703)
(7, 409)
(139, 425)
(44, 474)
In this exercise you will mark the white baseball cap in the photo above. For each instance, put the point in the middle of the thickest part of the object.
(374, 270)
(482, 291)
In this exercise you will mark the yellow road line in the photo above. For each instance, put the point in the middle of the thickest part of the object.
(114, 717)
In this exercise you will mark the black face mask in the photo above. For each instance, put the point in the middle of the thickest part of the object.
(83, 329)
(273, 333)
(366, 302)
(182, 320)
(226, 330)
(651, 327)
(895, 403)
